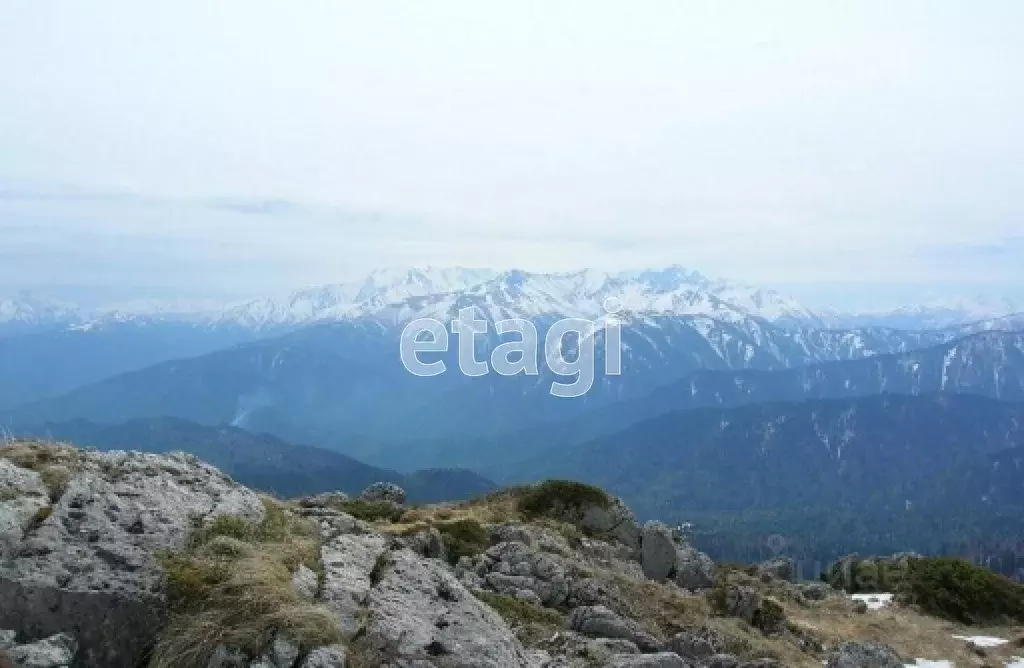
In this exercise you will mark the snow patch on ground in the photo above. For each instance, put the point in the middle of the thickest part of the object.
(874, 601)
(1016, 663)
(983, 641)
(927, 663)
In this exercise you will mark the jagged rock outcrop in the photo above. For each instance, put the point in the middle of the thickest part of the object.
(86, 557)
(324, 500)
(780, 568)
(693, 646)
(600, 622)
(517, 567)
(659, 660)
(57, 651)
(664, 556)
(349, 562)
(864, 655)
(614, 521)
(100, 551)
(384, 491)
(418, 614)
(749, 605)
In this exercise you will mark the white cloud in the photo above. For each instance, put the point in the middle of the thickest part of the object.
(262, 143)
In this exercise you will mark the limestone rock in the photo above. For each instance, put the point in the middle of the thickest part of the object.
(723, 661)
(324, 500)
(8, 639)
(780, 568)
(23, 496)
(90, 565)
(600, 622)
(660, 660)
(384, 491)
(616, 522)
(664, 556)
(419, 614)
(610, 646)
(349, 562)
(305, 582)
(56, 651)
(516, 566)
(694, 569)
(761, 663)
(691, 646)
(658, 551)
(326, 657)
(864, 655)
(742, 602)
(815, 591)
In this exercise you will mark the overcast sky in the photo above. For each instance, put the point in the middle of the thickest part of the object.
(234, 148)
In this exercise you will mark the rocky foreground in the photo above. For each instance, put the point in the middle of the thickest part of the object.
(125, 559)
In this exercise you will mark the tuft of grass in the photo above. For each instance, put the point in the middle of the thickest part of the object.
(372, 511)
(56, 479)
(561, 499)
(379, 566)
(53, 462)
(38, 518)
(231, 585)
(8, 494)
(518, 612)
(661, 609)
(464, 538)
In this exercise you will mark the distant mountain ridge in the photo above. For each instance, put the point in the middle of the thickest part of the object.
(405, 293)
(343, 384)
(265, 462)
(987, 364)
(832, 476)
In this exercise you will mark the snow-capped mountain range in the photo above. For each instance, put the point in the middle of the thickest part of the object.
(400, 295)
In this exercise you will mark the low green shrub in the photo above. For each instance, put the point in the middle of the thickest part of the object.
(959, 590)
(561, 499)
(517, 611)
(372, 511)
(463, 538)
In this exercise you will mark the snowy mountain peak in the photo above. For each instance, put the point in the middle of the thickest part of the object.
(405, 293)
(29, 310)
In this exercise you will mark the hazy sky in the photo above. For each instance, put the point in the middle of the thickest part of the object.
(230, 148)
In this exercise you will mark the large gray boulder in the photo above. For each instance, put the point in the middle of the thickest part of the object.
(598, 621)
(694, 569)
(692, 646)
(517, 567)
(335, 656)
(658, 551)
(864, 655)
(349, 561)
(664, 556)
(22, 497)
(88, 561)
(384, 491)
(615, 521)
(57, 651)
(418, 614)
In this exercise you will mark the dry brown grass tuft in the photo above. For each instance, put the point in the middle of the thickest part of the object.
(663, 609)
(232, 586)
(54, 462)
(913, 635)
